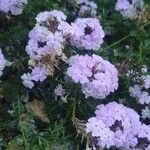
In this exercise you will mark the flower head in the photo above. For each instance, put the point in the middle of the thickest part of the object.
(37, 74)
(87, 7)
(129, 9)
(98, 77)
(88, 34)
(46, 43)
(119, 126)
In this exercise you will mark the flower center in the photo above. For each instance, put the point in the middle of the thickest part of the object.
(88, 30)
(117, 126)
(41, 44)
(143, 143)
(53, 25)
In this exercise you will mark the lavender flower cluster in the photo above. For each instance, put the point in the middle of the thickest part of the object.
(87, 7)
(141, 93)
(46, 41)
(119, 126)
(14, 7)
(49, 37)
(98, 77)
(2, 62)
(49, 34)
(88, 34)
(129, 9)
(114, 124)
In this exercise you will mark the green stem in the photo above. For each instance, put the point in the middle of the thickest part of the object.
(24, 137)
(145, 25)
(19, 60)
(125, 37)
(73, 3)
(74, 108)
(74, 102)
(117, 42)
(91, 105)
(141, 51)
(22, 130)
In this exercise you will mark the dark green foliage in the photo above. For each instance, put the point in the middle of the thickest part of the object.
(17, 130)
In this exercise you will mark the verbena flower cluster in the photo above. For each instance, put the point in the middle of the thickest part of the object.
(119, 126)
(14, 7)
(141, 93)
(45, 45)
(49, 34)
(87, 7)
(48, 38)
(2, 62)
(114, 125)
(88, 34)
(98, 77)
(129, 9)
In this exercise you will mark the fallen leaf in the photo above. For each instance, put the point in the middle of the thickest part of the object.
(38, 110)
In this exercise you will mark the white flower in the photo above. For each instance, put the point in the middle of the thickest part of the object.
(59, 91)
(135, 91)
(27, 81)
(146, 113)
(144, 69)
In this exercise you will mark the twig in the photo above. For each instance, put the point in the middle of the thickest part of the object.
(125, 37)
(22, 132)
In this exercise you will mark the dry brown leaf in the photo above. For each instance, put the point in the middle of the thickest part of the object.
(38, 110)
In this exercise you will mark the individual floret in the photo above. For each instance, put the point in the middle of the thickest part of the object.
(146, 113)
(27, 80)
(59, 91)
(38, 74)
